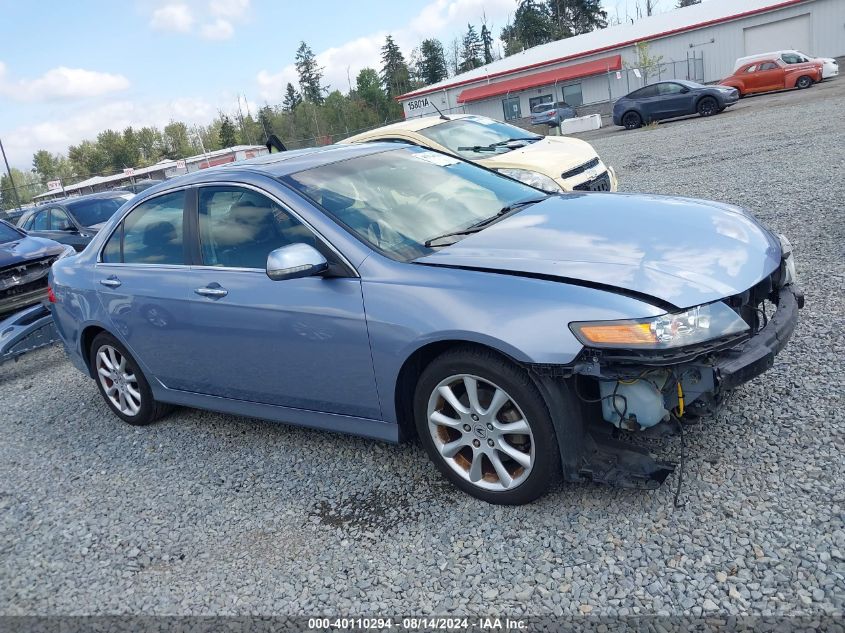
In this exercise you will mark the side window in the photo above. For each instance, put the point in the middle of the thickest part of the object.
(59, 220)
(152, 232)
(111, 251)
(40, 223)
(669, 89)
(239, 228)
(768, 66)
(751, 68)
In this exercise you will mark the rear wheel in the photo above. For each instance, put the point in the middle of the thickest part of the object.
(804, 82)
(708, 106)
(486, 427)
(632, 121)
(121, 382)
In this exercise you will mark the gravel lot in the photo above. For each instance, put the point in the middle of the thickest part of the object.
(212, 514)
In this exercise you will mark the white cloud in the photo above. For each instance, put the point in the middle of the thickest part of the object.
(229, 8)
(220, 29)
(61, 83)
(173, 17)
(437, 19)
(55, 134)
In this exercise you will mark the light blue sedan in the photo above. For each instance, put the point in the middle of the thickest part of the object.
(388, 291)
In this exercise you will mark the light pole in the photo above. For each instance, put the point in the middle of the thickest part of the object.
(9, 171)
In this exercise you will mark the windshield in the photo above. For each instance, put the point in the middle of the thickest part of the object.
(8, 234)
(396, 200)
(95, 210)
(472, 137)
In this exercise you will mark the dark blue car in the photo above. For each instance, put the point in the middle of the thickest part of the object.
(668, 99)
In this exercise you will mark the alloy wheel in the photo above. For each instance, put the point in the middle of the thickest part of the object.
(481, 432)
(707, 107)
(118, 381)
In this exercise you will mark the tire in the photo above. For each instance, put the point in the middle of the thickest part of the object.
(133, 399)
(804, 82)
(707, 106)
(631, 121)
(463, 438)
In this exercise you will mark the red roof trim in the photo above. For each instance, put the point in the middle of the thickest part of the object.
(575, 71)
(683, 29)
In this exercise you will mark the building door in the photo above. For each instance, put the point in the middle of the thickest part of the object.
(511, 108)
(791, 33)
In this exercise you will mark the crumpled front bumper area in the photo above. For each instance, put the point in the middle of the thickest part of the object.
(751, 358)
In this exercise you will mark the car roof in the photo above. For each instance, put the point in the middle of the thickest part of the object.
(111, 193)
(408, 125)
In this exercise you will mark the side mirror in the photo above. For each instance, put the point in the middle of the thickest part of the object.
(295, 261)
(684, 89)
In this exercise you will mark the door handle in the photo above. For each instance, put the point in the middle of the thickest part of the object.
(213, 293)
(111, 282)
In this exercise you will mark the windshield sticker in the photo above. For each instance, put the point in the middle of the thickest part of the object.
(437, 159)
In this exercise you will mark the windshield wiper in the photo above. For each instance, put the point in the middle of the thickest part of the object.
(493, 146)
(481, 224)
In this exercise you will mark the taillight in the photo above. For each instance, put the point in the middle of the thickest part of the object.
(51, 296)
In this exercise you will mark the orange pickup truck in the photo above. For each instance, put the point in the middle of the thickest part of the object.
(765, 75)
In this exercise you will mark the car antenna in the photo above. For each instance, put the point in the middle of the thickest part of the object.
(442, 116)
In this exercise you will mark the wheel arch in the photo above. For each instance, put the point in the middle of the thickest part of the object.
(413, 367)
(86, 337)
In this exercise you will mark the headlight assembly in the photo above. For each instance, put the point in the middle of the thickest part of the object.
(789, 275)
(671, 330)
(533, 179)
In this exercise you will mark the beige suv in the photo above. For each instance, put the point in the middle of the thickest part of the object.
(550, 163)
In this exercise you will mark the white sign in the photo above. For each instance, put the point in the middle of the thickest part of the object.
(52, 185)
(637, 73)
(419, 104)
(128, 172)
(618, 75)
(180, 164)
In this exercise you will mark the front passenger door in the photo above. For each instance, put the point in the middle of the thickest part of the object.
(298, 343)
(63, 228)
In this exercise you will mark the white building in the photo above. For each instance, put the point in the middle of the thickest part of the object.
(590, 71)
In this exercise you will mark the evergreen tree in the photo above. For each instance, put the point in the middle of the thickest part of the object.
(46, 164)
(395, 77)
(486, 44)
(471, 50)
(228, 134)
(432, 66)
(532, 24)
(310, 74)
(265, 119)
(176, 141)
(574, 17)
(687, 3)
(292, 98)
(368, 89)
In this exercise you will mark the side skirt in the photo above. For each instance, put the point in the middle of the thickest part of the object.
(346, 424)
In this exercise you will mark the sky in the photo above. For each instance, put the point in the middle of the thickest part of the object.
(69, 70)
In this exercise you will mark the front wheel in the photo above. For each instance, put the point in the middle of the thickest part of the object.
(486, 427)
(803, 82)
(632, 120)
(121, 382)
(708, 106)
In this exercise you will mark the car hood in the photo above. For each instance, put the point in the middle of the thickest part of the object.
(26, 249)
(680, 251)
(551, 155)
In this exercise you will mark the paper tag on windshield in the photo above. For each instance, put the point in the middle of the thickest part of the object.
(437, 159)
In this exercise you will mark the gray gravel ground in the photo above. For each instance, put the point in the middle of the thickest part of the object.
(212, 514)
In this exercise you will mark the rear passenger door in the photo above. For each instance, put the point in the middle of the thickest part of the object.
(648, 100)
(144, 285)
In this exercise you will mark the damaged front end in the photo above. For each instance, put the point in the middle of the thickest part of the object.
(673, 368)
